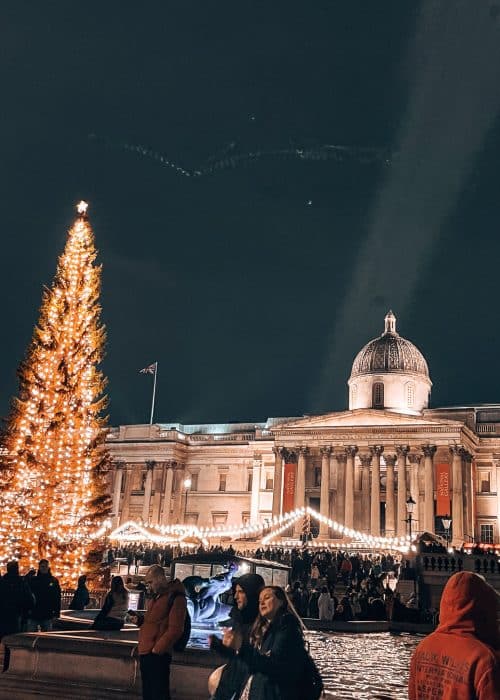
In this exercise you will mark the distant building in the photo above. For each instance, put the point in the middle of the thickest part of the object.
(358, 467)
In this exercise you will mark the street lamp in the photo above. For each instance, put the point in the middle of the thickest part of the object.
(410, 505)
(446, 520)
(187, 485)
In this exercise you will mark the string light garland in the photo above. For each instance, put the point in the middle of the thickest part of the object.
(272, 527)
(53, 490)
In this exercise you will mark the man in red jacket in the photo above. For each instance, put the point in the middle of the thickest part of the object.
(160, 628)
(461, 659)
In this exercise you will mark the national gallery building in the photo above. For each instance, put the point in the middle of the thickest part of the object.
(358, 467)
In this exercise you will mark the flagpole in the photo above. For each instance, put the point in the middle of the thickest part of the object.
(154, 394)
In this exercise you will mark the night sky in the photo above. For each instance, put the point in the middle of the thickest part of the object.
(254, 286)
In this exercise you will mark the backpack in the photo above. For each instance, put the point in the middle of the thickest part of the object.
(311, 683)
(181, 643)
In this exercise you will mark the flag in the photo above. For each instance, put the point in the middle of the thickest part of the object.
(150, 369)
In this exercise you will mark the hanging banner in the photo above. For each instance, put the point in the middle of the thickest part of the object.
(443, 489)
(289, 477)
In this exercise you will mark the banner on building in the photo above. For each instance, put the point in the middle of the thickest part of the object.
(443, 489)
(289, 477)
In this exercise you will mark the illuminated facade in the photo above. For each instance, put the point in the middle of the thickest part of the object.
(358, 467)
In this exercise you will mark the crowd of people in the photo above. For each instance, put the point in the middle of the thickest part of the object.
(263, 644)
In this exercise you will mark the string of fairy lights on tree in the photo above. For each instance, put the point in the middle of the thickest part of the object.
(53, 492)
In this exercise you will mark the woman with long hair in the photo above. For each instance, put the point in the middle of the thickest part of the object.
(278, 665)
(114, 610)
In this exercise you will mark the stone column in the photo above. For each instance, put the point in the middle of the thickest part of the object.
(469, 500)
(278, 481)
(254, 501)
(167, 494)
(401, 451)
(366, 460)
(376, 451)
(150, 465)
(179, 493)
(300, 486)
(129, 478)
(457, 508)
(429, 451)
(117, 490)
(324, 503)
(414, 459)
(390, 524)
(339, 514)
(349, 486)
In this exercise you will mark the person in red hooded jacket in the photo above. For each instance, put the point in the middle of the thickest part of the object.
(460, 660)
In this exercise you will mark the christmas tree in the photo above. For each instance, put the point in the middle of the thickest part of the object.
(53, 492)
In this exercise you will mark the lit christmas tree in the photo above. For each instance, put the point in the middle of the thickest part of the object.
(53, 498)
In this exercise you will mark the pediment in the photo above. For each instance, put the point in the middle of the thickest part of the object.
(364, 417)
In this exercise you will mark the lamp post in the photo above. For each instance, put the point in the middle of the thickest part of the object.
(410, 505)
(187, 485)
(446, 520)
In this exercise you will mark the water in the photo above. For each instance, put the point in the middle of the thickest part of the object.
(372, 666)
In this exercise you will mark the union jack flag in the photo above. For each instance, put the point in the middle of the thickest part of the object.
(150, 369)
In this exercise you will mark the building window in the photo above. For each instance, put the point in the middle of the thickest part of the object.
(378, 395)
(219, 518)
(484, 482)
(194, 482)
(410, 394)
(269, 482)
(191, 518)
(249, 481)
(245, 518)
(487, 534)
(222, 482)
(317, 476)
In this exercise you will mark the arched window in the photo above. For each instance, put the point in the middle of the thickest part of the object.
(410, 394)
(378, 395)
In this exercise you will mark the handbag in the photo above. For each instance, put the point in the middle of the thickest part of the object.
(214, 679)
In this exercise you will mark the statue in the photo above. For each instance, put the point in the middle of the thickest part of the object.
(203, 601)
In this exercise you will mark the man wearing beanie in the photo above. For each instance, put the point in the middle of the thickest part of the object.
(461, 659)
(243, 615)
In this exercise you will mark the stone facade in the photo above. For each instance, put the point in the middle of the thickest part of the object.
(357, 467)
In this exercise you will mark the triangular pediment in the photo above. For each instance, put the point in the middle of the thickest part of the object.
(364, 417)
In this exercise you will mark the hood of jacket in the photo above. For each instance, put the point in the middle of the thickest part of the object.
(470, 605)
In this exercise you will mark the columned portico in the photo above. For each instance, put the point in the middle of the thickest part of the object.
(375, 490)
(457, 510)
(429, 510)
(366, 460)
(401, 451)
(278, 481)
(390, 525)
(150, 465)
(167, 494)
(300, 488)
(325, 489)
(117, 490)
(254, 501)
(341, 459)
(349, 486)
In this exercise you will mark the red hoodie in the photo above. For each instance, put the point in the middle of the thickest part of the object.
(460, 660)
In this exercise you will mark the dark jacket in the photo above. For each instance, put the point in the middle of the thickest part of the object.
(461, 659)
(81, 598)
(15, 602)
(241, 621)
(278, 666)
(47, 592)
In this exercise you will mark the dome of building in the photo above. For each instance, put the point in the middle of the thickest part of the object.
(389, 353)
(390, 373)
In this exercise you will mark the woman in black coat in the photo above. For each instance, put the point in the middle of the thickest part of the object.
(81, 597)
(275, 656)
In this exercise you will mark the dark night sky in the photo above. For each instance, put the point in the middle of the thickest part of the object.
(253, 301)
